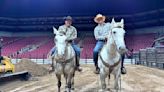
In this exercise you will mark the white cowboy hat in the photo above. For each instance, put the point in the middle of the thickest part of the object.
(99, 17)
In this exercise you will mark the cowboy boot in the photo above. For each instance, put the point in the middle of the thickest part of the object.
(78, 68)
(123, 70)
(97, 69)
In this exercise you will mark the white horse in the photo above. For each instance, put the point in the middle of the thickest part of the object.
(64, 61)
(109, 60)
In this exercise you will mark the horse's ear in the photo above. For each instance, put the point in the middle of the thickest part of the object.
(122, 23)
(113, 21)
(55, 30)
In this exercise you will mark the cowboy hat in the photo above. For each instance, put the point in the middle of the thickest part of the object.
(99, 17)
(68, 18)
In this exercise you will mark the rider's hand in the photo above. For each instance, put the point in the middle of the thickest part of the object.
(106, 39)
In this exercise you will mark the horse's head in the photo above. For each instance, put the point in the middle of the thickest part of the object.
(60, 41)
(117, 33)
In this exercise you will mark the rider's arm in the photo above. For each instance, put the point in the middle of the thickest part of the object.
(97, 35)
(72, 35)
(107, 29)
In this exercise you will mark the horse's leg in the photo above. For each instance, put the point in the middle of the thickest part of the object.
(73, 81)
(117, 76)
(66, 78)
(103, 75)
(69, 82)
(59, 81)
(108, 80)
(52, 65)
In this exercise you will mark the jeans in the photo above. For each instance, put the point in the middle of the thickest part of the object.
(77, 49)
(96, 51)
(122, 60)
(52, 51)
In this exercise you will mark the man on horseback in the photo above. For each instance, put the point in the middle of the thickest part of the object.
(71, 34)
(101, 32)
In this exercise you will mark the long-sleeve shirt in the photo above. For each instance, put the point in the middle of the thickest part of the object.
(101, 31)
(71, 32)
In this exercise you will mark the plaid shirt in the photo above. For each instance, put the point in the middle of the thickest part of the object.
(71, 32)
(101, 31)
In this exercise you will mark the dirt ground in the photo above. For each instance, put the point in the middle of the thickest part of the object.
(137, 79)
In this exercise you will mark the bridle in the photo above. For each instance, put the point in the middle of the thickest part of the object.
(111, 32)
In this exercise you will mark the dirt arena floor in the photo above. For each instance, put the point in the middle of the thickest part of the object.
(138, 79)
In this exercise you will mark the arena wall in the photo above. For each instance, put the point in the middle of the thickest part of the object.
(82, 33)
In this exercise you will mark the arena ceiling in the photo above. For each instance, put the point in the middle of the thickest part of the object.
(35, 8)
(137, 13)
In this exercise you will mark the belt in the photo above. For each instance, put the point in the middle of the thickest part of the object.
(102, 40)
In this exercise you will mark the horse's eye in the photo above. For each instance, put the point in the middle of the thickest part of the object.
(114, 32)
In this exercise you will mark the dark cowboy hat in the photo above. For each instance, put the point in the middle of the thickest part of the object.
(68, 18)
